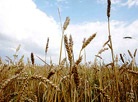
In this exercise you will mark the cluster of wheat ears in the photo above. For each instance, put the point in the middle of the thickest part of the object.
(70, 81)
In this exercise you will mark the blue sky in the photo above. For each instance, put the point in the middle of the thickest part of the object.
(30, 22)
(88, 10)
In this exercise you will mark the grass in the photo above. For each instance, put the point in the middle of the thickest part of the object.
(73, 81)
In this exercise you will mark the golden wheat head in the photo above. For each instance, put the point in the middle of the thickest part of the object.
(32, 58)
(108, 7)
(88, 41)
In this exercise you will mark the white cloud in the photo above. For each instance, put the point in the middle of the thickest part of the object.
(131, 3)
(22, 21)
(118, 31)
(128, 3)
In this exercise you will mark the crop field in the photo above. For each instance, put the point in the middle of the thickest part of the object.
(70, 80)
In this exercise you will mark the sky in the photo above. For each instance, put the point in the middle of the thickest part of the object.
(30, 22)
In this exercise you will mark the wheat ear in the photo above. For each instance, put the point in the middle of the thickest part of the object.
(108, 7)
(122, 59)
(66, 23)
(75, 72)
(50, 74)
(133, 72)
(32, 58)
(43, 79)
(135, 53)
(5, 83)
(104, 94)
(130, 54)
(0, 61)
(68, 50)
(88, 41)
(46, 49)
(102, 50)
(71, 46)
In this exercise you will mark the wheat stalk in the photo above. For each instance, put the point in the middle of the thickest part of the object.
(61, 37)
(79, 60)
(111, 48)
(110, 40)
(106, 43)
(42, 60)
(66, 23)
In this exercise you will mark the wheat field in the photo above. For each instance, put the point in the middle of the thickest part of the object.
(70, 80)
